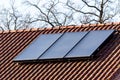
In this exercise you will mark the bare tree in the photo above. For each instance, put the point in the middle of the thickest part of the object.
(50, 15)
(100, 11)
(1, 28)
(12, 19)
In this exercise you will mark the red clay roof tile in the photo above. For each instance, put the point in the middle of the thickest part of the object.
(107, 66)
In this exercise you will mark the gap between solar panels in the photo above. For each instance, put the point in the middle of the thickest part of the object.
(68, 46)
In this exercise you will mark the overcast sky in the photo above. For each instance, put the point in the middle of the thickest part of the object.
(19, 4)
(5, 3)
(27, 9)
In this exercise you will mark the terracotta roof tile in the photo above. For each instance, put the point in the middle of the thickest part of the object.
(106, 66)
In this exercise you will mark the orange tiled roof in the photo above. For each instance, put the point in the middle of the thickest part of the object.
(106, 67)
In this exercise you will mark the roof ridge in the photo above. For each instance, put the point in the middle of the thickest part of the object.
(62, 27)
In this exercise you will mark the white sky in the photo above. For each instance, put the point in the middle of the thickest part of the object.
(23, 8)
(5, 3)
(18, 4)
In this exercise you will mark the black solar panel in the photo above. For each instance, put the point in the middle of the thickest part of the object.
(90, 43)
(64, 45)
(37, 47)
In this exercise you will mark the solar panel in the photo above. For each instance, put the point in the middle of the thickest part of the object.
(63, 45)
(89, 44)
(37, 47)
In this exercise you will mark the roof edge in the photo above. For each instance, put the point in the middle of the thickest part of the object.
(62, 27)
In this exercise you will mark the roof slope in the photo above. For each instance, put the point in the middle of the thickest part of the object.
(107, 66)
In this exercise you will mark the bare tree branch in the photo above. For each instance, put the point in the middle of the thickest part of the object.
(1, 28)
(106, 2)
(90, 5)
(11, 18)
(102, 7)
(50, 15)
(82, 11)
